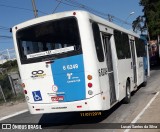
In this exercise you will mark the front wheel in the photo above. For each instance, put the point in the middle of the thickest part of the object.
(127, 99)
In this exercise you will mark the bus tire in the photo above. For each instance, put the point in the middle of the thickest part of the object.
(127, 99)
(144, 84)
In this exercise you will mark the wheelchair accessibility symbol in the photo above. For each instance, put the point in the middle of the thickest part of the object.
(37, 95)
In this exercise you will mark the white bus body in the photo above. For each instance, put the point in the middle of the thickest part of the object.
(64, 67)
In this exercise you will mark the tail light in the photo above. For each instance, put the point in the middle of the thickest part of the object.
(89, 77)
(25, 91)
(90, 85)
(74, 13)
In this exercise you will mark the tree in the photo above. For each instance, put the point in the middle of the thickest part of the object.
(139, 24)
(151, 16)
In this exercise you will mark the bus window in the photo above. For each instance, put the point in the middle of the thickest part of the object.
(122, 45)
(140, 47)
(50, 35)
(98, 43)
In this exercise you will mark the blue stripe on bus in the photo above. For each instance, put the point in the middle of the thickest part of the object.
(68, 76)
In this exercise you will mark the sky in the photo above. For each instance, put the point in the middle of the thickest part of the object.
(13, 12)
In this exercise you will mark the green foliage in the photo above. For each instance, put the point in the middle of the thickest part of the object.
(9, 64)
(4, 80)
(5, 84)
(139, 24)
(152, 16)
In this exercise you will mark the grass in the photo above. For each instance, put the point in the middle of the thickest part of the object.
(11, 66)
(19, 98)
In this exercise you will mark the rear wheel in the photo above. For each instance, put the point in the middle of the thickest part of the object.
(145, 82)
(127, 99)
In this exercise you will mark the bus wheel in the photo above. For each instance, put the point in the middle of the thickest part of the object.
(127, 99)
(144, 84)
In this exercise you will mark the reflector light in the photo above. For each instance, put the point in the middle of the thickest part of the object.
(49, 62)
(39, 109)
(89, 77)
(23, 85)
(74, 13)
(79, 106)
(90, 92)
(27, 98)
(90, 85)
(54, 88)
(25, 91)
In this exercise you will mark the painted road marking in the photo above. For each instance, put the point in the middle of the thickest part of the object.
(15, 114)
(142, 112)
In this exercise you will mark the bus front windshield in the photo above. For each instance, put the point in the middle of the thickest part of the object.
(48, 39)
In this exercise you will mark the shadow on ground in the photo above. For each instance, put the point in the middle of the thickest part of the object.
(59, 120)
(155, 67)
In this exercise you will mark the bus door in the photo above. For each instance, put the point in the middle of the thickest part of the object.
(108, 54)
(133, 63)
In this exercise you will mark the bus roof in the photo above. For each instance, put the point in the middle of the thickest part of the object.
(71, 13)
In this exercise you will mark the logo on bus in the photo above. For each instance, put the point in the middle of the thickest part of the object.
(54, 88)
(38, 74)
(72, 79)
(69, 75)
(37, 95)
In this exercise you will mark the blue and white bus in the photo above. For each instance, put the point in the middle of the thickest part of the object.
(76, 61)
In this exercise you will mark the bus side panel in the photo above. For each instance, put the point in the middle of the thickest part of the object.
(68, 76)
(124, 72)
(140, 70)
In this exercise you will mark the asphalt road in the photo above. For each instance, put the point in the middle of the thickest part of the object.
(121, 113)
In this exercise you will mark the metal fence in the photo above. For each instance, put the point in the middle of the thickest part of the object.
(8, 54)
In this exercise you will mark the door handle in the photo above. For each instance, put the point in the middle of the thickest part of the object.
(131, 65)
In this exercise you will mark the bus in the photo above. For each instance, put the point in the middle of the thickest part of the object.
(76, 61)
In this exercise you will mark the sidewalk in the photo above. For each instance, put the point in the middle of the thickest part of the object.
(12, 108)
(151, 116)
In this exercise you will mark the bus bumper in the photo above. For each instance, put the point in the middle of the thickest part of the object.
(92, 104)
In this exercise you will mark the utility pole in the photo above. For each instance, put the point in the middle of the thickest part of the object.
(110, 18)
(34, 9)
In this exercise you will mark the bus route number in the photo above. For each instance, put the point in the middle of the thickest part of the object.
(70, 67)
